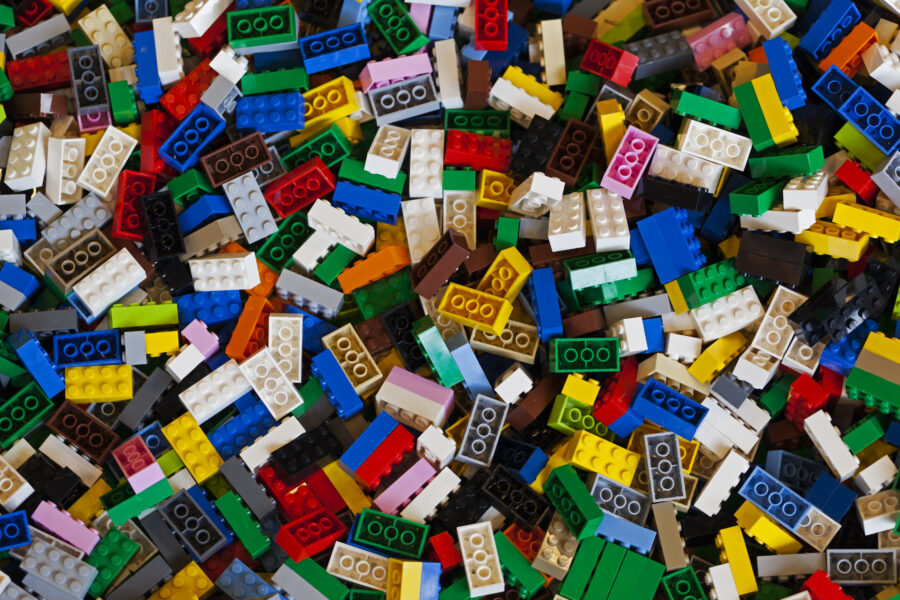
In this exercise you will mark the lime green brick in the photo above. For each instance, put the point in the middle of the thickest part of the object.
(858, 146)
(244, 526)
(282, 80)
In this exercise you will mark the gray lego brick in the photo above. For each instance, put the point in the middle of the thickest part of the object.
(237, 476)
(165, 541)
(143, 580)
(14, 592)
(135, 344)
(10, 297)
(221, 96)
(482, 431)
(862, 567)
(387, 104)
(887, 177)
(728, 390)
(620, 500)
(12, 206)
(663, 457)
(60, 320)
(295, 586)
(589, 8)
(143, 399)
(40, 207)
(311, 295)
(646, 307)
(660, 54)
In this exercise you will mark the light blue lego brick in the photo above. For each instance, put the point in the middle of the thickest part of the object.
(872, 119)
(240, 582)
(367, 203)
(35, 359)
(353, 11)
(784, 72)
(270, 113)
(834, 87)
(774, 498)
(443, 23)
(545, 302)
(832, 24)
(667, 408)
(468, 52)
(625, 533)
(474, 380)
(149, 86)
(430, 581)
(377, 431)
(183, 148)
(204, 211)
(334, 48)
(674, 249)
(87, 348)
(335, 384)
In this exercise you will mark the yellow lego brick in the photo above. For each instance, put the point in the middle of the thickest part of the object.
(190, 583)
(826, 209)
(676, 297)
(873, 452)
(404, 579)
(687, 449)
(716, 356)
(390, 360)
(134, 130)
(494, 190)
(580, 388)
(3, 61)
(533, 87)
(91, 141)
(506, 276)
(351, 130)
(832, 239)
(778, 118)
(611, 119)
(614, 14)
(104, 383)
(88, 507)
(65, 6)
(729, 246)
(764, 530)
(193, 447)
(387, 235)
(876, 223)
(328, 103)
(475, 309)
(734, 551)
(348, 489)
(592, 453)
(557, 459)
(161, 342)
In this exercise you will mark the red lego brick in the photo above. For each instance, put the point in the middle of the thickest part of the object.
(527, 541)
(616, 393)
(325, 491)
(491, 25)
(311, 534)
(216, 564)
(480, 152)
(805, 398)
(40, 73)
(609, 62)
(300, 187)
(185, 95)
(385, 457)
(156, 127)
(133, 456)
(858, 180)
(833, 384)
(294, 501)
(820, 587)
(126, 218)
(442, 549)
(32, 12)
(209, 44)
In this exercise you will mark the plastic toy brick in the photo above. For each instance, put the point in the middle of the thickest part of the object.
(831, 25)
(569, 496)
(585, 355)
(193, 447)
(717, 39)
(15, 530)
(390, 534)
(44, 72)
(54, 572)
(88, 75)
(270, 112)
(629, 162)
(661, 18)
(109, 558)
(774, 498)
(235, 159)
(671, 257)
(83, 430)
(399, 30)
(334, 48)
(847, 55)
(475, 309)
(482, 431)
(609, 62)
(466, 149)
(875, 223)
(183, 148)
(266, 26)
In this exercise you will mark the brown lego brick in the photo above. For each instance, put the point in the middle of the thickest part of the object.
(478, 85)
(521, 10)
(584, 323)
(539, 398)
(36, 106)
(235, 159)
(542, 255)
(479, 260)
(374, 336)
(439, 263)
(577, 34)
(571, 152)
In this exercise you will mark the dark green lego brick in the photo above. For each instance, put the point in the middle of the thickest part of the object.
(189, 186)
(392, 19)
(703, 109)
(615, 291)
(278, 249)
(122, 12)
(355, 171)
(282, 80)
(507, 233)
(774, 399)
(711, 283)
(80, 39)
(332, 265)
(367, 595)
(22, 413)
(754, 119)
(485, 121)
(683, 585)
(262, 26)
(579, 576)
(460, 179)
(331, 146)
(380, 296)
(517, 570)
(787, 162)
(391, 534)
(584, 355)
(756, 196)
(121, 99)
(243, 524)
(571, 499)
(767, 591)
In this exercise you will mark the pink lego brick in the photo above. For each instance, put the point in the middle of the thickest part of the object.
(382, 72)
(399, 493)
(717, 39)
(62, 525)
(421, 15)
(138, 464)
(197, 334)
(629, 162)
(429, 392)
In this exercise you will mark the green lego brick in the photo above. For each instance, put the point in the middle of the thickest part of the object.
(683, 585)
(366, 595)
(18, 376)
(6, 91)
(79, 39)
(569, 415)
(170, 463)
(122, 13)
(143, 315)
(767, 591)
(627, 28)
(278, 250)
(325, 583)
(604, 576)
(873, 391)
(460, 179)
(789, 162)
(568, 494)
(485, 122)
(331, 145)
(21, 413)
(507, 233)
(864, 433)
(798, 6)
(703, 109)
(754, 119)
(110, 556)
(614, 291)
(392, 19)
(603, 267)
(583, 83)
(756, 196)
(282, 80)
(332, 265)
(121, 99)
(579, 576)
(711, 283)
(775, 398)
(7, 17)
(517, 570)
(584, 355)
(244, 526)
(262, 26)
(380, 296)
(638, 577)
(436, 352)
(574, 106)
(458, 590)
(133, 163)
(354, 170)
(129, 505)
(391, 534)
(189, 186)
(176, 6)
(858, 146)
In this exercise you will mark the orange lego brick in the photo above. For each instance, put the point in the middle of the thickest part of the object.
(250, 334)
(847, 56)
(387, 260)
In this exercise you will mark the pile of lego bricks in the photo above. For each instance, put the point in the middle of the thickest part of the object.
(449, 299)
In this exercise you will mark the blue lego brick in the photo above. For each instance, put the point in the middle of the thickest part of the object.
(719, 222)
(667, 408)
(20, 280)
(516, 45)
(183, 148)
(147, 10)
(469, 52)
(626, 424)
(334, 48)
(430, 581)
(653, 331)
(831, 496)
(474, 381)
(367, 203)
(665, 135)
(833, 23)
(794, 471)
(522, 459)
(217, 360)
(834, 87)
(784, 72)
(373, 435)
(872, 119)
(248, 401)
(270, 113)
(554, 7)
(204, 211)
(443, 23)
(639, 249)
(774, 498)
(213, 308)
(14, 531)
(674, 249)
(545, 302)
(892, 435)
(241, 430)
(625, 533)
(335, 384)
(25, 230)
(353, 11)
(841, 356)
(156, 442)
(275, 61)
(33, 357)
(240, 581)
(314, 329)
(87, 348)
(245, 4)
(198, 495)
(149, 85)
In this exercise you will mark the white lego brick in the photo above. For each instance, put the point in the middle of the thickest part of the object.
(728, 314)
(260, 451)
(358, 566)
(717, 145)
(427, 501)
(226, 63)
(756, 368)
(181, 365)
(630, 333)
(14, 489)
(827, 440)
(805, 192)
(102, 29)
(646, 307)
(57, 451)
(270, 383)
(682, 167)
(609, 225)
(522, 106)
(250, 207)
(771, 17)
(553, 56)
(446, 61)
(459, 214)
(364, 113)
(681, 323)
(803, 358)
(313, 251)
(741, 436)
(182, 480)
(169, 62)
(41, 208)
(876, 476)
(726, 476)
(408, 407)
(106, 284)
(388, 151)
(683, 348)
(721, 582)
(65, 162)
(775, 333)
(781, 220)
(883, 65)
(37, 35)
(481, 560)
(535, 196)
(750, 414)
(27, 162)
(9, 247)
(893, 103)
(783, 566)
(18, 453)
(286, 343)
(435, 447)
(220, 272)
(422, 229)
(215, 391)
(673, 374)
(512, 384)
(102, 170)
(5, 582)
(567, 229)
(426, 163)
(221, 96)
(347, 230)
